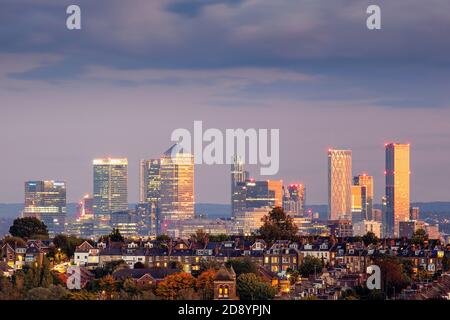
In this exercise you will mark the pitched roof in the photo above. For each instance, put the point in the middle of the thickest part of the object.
(225, 274)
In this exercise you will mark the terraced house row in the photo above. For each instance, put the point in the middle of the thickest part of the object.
(278, 258)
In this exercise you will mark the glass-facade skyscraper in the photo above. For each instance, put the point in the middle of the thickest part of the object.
(46, 200)
(397, 175)
(177, 187)
(238, 175)
(294, 197)
(150, 181)
(365, 181)
(339, 184)
(110, 190)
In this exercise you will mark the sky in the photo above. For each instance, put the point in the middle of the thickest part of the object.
(138, 70)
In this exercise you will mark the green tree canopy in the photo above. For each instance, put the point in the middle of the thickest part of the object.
(277, 225)
(242, 265)
(310, 265)
(370, 238)
(28, 228)
(419, 237)
(251, 287)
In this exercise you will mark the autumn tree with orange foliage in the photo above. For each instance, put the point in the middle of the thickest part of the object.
(179, 286)
(205, 284)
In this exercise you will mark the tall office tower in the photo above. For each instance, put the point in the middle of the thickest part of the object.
(110, 191)
(238, 174)
(150, 181)
(384, 219)
(177, 187)
(46, 200)
(397, 186)
(260, 194)
(294, 197)
(414, 213)
(339, 184)
(358, 196)
(85, 208)
(366, 181)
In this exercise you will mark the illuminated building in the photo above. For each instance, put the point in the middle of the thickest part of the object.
(384, 218)
(177, 187)
(46, 200)
(397, 186)
(85, 208)
(110, 191)
(126, 222)
(340, 228)
(414, 213)
(294, 197)
(251, 220)
(339, 184)
(238, 175)
(253, 194)
(366, 182)
(147, 223)
(406, 229)
(150, 181)
(361, 228)
(357, 203)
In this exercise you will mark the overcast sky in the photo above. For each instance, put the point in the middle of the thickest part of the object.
(140, 69)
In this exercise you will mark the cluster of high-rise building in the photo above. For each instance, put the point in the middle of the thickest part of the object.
(351, 198)
(166, 199)
(251, 200)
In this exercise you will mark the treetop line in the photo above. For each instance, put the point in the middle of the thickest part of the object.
(373, 21)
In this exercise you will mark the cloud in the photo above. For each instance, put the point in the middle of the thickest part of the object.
(166, 39)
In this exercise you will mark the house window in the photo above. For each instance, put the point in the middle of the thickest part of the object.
(226, 292)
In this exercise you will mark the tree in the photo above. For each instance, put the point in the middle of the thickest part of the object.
(115, 236)
(139, 265)
(108, 287)
(310, 265)
(370, 238)
(163, 238)
(393, 274)
(205, 284)
(68, 244)
(200, 237)
(131, 289)
(446, 263)
(173, 286)
(28, 228)
(419, 237)
(50, 293)
(218, 237)
(242, 265)
(278, 226)
(14, 241)
(251, 287)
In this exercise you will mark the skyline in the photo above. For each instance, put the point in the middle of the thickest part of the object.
(98, 161)
(116, 88)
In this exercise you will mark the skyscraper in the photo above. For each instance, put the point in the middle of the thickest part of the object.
(177, 187)
(110, 190)
(294, 197)
(150, 181)
(46, 200)
(238, 175)
(366, 181)
(85, 208)
(397, 186)
(339, 184)
(358, 194)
